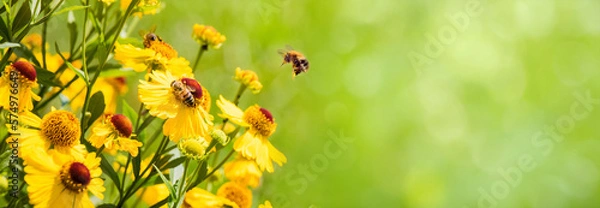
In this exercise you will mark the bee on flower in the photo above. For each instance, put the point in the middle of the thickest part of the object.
(182, 101)
(254, 143)
(16, 86)
(114, 132)
(249, 79)
(208, 35)
(57, 180)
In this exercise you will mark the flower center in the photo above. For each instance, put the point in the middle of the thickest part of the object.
(122, 124)
(75, 176)
(235, 193)
(61, 128)
(261, 120)
(164, 49)
(25, 69)
(193, 148)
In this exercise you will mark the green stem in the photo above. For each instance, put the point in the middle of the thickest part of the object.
(203, 47)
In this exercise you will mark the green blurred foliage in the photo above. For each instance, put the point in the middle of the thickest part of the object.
(435, 136)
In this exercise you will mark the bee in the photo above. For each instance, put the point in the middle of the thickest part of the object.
(299, 62)
(154, 42)
(184, 93)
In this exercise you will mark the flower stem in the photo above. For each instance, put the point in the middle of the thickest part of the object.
(203, 47)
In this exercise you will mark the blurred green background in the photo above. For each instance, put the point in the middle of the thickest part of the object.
(447, 103)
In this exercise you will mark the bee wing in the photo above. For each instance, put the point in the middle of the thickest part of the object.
(289, 48)
(152, 29)
(142, 33)
(282, 52)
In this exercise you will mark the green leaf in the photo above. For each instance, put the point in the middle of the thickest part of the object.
(107, 169)
(46, 77)
(97, 106)
(68, 9)
(174, 163)
(136, 163)
(9, 45)
(163, 160)
(172, 192)
(129, 112)
(25, 53)
(78, 72)
(23, 17)
(160, 203)
(201, 175)
(73, 34)
(4, 30)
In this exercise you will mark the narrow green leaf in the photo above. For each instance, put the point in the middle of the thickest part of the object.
(163, 160)
(107, 169)
(136, 163)
(172, 192)
(97, 106)
(160, 203)
(78, 72)
(73, 34)
(129, 112)
(23, 17)
(46, 77)
(4, 30)
(9, 45)
(174, 163)
(68, 9)
(25, 53)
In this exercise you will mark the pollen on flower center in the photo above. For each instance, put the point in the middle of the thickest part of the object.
(260, 120)
(122, 124)
(25, 69)
(75, 176)
(61, 128)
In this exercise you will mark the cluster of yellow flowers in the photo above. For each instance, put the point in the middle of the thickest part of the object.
(65, 150)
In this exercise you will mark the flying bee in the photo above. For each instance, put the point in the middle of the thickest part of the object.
(299, 62)
(154, 42)
(184, 93)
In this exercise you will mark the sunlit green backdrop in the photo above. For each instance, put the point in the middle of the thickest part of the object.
(446, 103)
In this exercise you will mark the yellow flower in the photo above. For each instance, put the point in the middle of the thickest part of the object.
(146, 59)
(241, 196)
(57, 180)
(153, 194)
(114, 132)
(16, 86)
(193, 148)
(254, 143)
(144, 7)
(243, 171)
(33, 42)
(267, 204)
(249, 79)
(208, 35)
(58, 129)
(111, 87)
(200, 198)
(182, 101)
